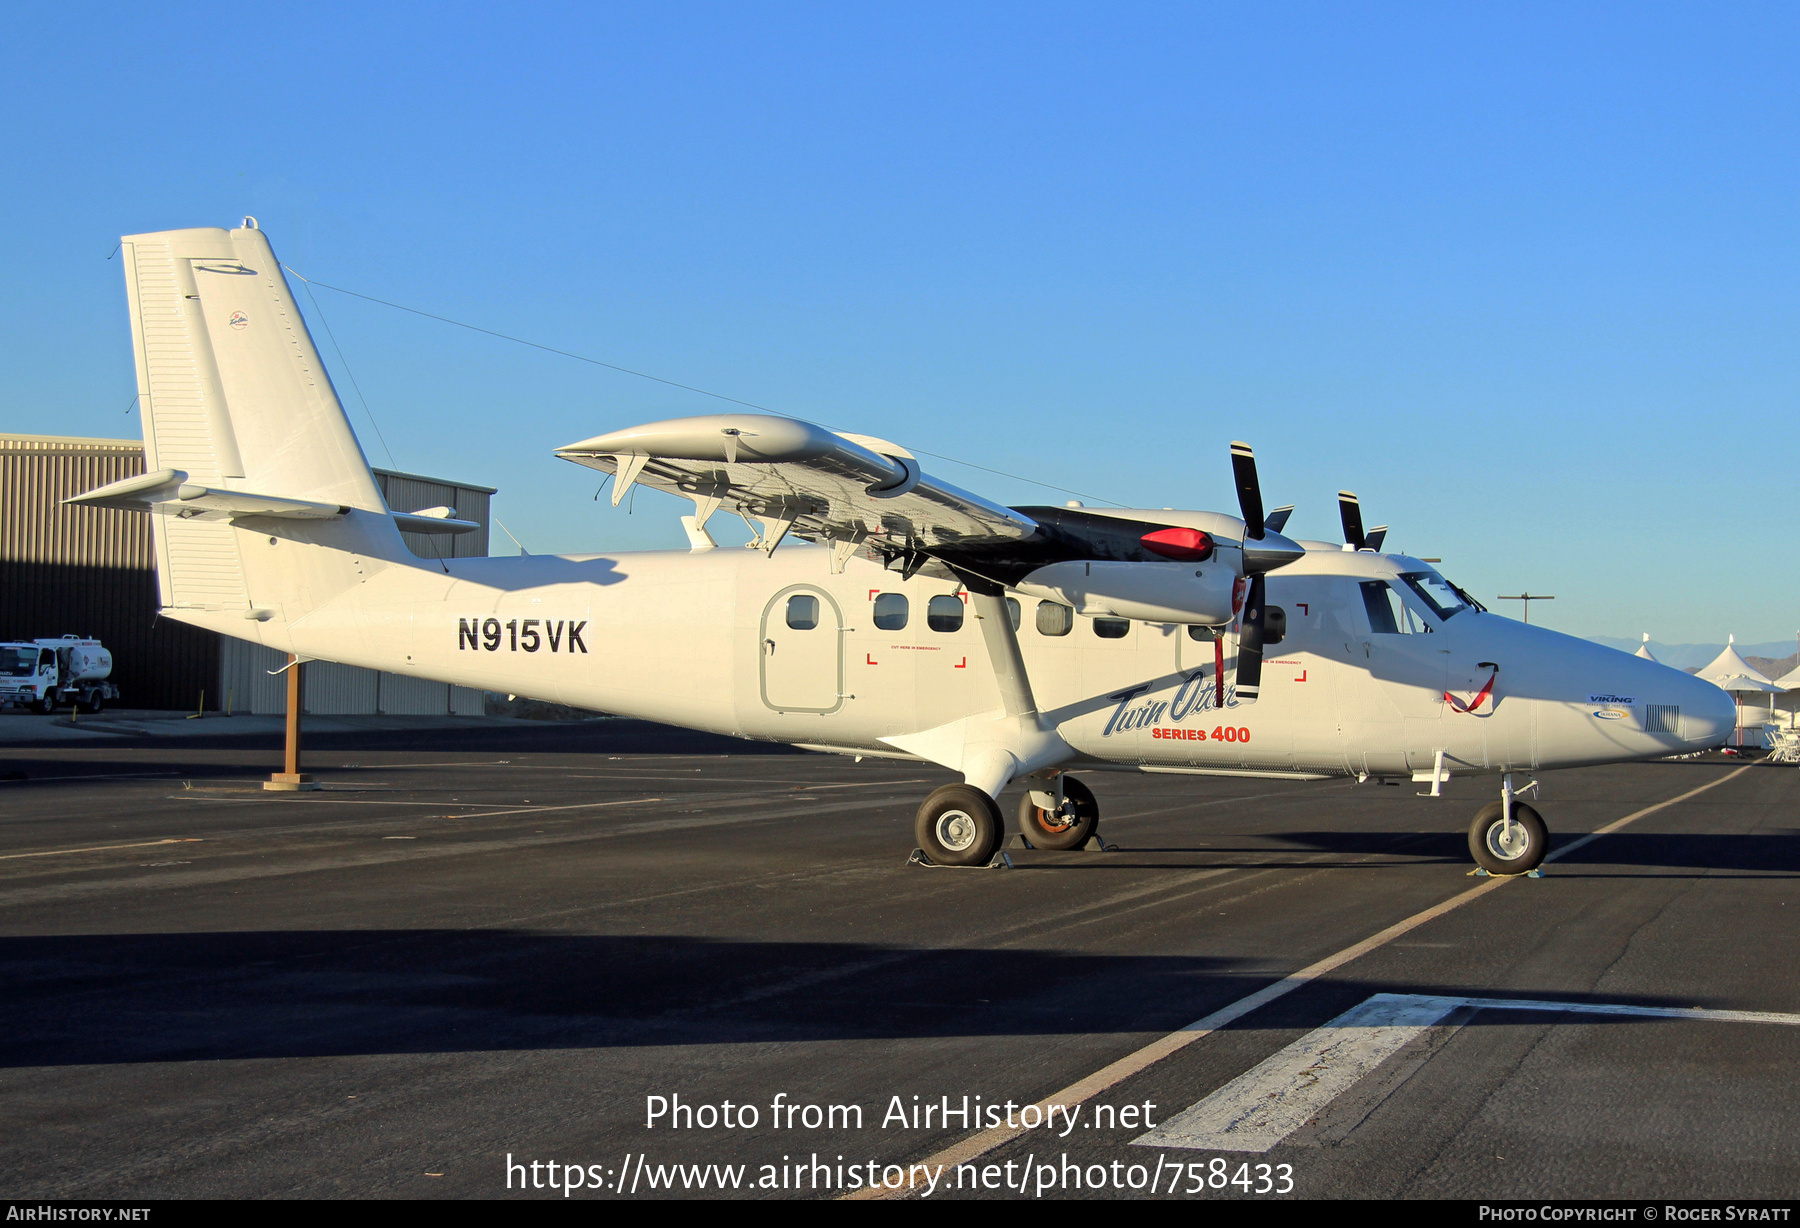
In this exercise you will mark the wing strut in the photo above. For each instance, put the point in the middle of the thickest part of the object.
(1002, 642)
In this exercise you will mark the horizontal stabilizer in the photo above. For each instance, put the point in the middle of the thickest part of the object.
(170, 489)
(433, 520)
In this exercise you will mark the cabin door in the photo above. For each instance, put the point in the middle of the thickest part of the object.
(802, 651)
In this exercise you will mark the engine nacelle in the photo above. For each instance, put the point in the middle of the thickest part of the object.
(1208, 594)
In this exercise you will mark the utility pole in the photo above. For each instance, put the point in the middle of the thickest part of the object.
(1527, 598)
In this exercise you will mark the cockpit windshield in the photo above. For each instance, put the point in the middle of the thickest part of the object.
(1442, 596)
(18, 662)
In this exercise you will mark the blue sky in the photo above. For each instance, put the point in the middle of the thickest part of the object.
(1522, 276)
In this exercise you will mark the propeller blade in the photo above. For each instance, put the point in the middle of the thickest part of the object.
(1376, 536)
(1350, 511)
(1250, 644)
(1249, 490)
(1276, 521)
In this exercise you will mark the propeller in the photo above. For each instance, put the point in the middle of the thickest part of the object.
(1265, 549)
(1350, 512)
(1249, 490)
(1250, 643)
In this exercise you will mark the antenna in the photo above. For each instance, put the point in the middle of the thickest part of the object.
(1527, 598)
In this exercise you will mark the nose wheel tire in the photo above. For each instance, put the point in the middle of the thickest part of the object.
(1068, 828)
(958, 825)
(1502, 848)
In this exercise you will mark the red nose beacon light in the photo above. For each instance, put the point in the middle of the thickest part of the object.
(1182, 545)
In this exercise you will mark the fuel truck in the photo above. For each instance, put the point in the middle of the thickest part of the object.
(43, 674)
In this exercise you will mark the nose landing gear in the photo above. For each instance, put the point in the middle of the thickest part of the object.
(1507, 836)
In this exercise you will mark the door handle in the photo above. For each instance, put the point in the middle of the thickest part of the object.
(770, 646)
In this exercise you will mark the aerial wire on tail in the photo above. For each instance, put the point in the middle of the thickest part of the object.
(345, 363)
(612, 366)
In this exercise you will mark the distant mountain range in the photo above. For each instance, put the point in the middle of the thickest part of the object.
(1774, 658)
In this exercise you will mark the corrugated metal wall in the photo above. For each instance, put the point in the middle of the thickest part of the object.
(328, 688)
(408, 492)
(90, 571)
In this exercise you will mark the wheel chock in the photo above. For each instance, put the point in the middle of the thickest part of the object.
(1018, 841)
(1478, 872)
(921, 859)
(1096, 844)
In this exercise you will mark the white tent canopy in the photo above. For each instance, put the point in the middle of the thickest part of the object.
(1739, 684)
(1789, 681)
(1644, 649)
(1729, 665)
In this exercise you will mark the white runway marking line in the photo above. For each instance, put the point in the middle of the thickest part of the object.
(103, 848)
(1267, 1103)
(1079, 1092)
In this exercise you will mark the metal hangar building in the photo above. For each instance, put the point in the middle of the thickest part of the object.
(90, 571)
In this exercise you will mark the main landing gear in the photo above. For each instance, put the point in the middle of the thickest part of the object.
(1071, 818)
(959, 825)
(1507, 836)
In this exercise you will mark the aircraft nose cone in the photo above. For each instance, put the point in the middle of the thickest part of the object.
(1708, 715)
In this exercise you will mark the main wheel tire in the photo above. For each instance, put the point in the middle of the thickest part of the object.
(1068, 828)
(958, 825)
(1499, 851)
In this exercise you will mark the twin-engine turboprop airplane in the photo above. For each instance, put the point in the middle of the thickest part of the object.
(881, 611)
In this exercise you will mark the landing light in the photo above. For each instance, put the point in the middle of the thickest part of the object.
(1183, 545)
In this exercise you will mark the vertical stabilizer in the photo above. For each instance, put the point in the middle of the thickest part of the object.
(234, 398)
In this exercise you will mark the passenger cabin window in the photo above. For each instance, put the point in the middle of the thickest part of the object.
(1012, 611)
(1112, 628)
(1053, 618)
(890, 611)
(944, 613)
(1204, 634)
(1388, 615)
(803, 612)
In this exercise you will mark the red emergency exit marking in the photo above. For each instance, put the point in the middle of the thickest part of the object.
(873, 593)
(1302, 605)
(962, 664)
(871, 660)
(1302, 677)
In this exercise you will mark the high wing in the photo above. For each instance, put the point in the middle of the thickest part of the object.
(853, 492)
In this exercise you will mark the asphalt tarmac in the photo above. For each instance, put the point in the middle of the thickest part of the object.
(518, 942)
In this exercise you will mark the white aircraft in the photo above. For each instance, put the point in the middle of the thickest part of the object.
(881, 611)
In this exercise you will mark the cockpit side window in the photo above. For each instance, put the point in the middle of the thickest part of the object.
(1388, 614)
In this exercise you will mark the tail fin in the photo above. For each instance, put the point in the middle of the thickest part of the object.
(232, 387)
(235, 403)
